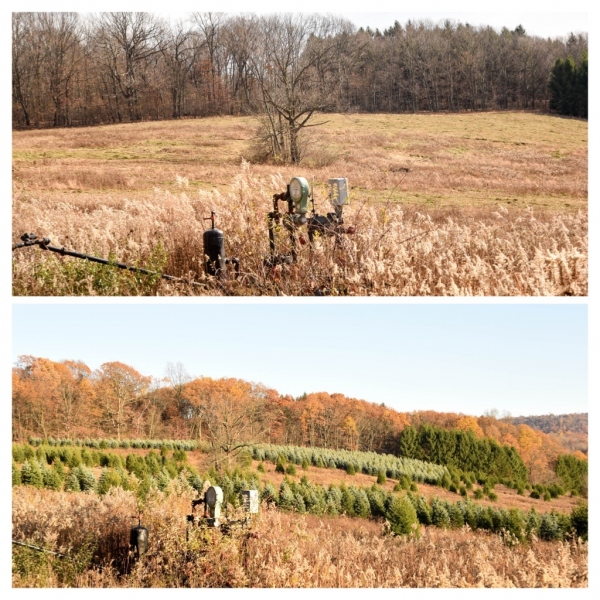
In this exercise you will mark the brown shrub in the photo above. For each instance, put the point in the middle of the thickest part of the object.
(279, 550)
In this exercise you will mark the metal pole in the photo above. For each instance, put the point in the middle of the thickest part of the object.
(38, 548)
(44, 244)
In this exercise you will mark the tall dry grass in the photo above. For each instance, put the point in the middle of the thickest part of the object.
(279, 550)
(397, 250)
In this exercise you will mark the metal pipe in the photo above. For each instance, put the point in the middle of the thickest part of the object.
(38, 548)
(30, 239)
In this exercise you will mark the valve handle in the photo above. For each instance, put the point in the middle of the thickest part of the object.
(138, 517)
(213, 214)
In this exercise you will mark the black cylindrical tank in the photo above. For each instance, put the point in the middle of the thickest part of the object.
(138, 540)
(214, 251)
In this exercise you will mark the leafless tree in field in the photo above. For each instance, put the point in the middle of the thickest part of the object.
(292, 69)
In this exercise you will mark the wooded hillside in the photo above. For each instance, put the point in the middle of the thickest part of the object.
(570, 423)
(114, 67)
(570, 431)
(67, 399)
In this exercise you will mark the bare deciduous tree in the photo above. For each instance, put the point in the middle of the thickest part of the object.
(180, 54)
(291, 68)
(126, 41)
(73, 69)
(60, 44)
(234, 413)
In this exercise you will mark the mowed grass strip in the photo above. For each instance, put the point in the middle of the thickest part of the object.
(477, 160)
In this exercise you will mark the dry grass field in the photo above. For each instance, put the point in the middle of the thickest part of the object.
(469, 204)
(279, 550)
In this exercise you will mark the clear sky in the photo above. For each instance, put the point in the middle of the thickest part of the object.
(525, 359)
(544, 18)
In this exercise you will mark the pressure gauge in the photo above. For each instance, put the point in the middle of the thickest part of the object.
(299, 190)
(213, 496)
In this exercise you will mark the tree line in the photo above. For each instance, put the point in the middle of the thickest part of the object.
(461, 449)
(569, 423)
(67, 399)
(70, 69)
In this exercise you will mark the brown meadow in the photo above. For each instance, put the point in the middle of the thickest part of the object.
(279, 550)
(471, 204)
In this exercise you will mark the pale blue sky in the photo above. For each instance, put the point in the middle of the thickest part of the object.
(526, 359)
(544, 18)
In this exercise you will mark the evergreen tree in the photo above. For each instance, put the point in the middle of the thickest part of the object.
(40, 454)
(72, 482)
(362, 506)
(402, 516)
(109, 478)
(439, 514)
(579, 520)
(582, 87)
(409, 446)
(18, 453)
(52, 479)
(424, 512)
(286, 496)
(568, 87)
(298, 503)
(456, 516)
(87, 481)
(16, 474)
(31, 474)
(269, 493)
(573, 472)
(347, 501)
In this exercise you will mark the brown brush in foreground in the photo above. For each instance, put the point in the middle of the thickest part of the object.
(279, 550)
(395, 251)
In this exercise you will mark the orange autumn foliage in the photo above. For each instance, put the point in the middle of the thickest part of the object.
(67, 399)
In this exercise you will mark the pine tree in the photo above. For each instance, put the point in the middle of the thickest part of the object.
(16, 474)
(18, 453)
(286, 496)
(409, 446)
(579, 520)
(362, 506)
(163, 480)
(52, 479)
(87, 481)
(568, 87)
(456, 516)
(298, 503)
(108, 479)
(424, 512)
(402, 517)
(31, 474)
(439, 514)
(72, 482)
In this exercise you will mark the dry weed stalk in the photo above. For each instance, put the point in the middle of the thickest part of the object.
(281, 550)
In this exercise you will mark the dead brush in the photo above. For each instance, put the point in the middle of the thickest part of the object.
(396, 251)
(279, 550)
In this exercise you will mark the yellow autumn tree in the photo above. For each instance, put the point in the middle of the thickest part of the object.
(467, 423)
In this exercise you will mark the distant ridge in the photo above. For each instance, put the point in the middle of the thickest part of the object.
(573, 422)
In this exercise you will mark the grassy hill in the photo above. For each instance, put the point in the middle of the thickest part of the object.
(442, 204)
